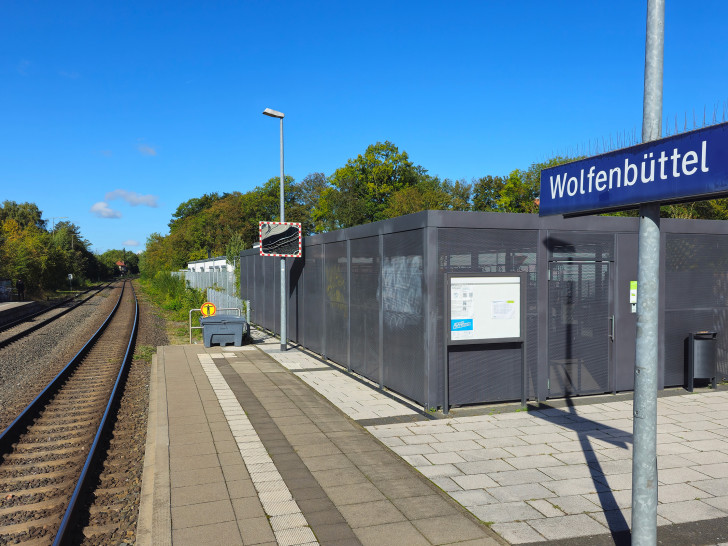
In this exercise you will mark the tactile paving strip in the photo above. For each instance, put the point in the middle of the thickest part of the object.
(289, 524)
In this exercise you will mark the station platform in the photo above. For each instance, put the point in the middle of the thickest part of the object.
(10, 310)
(243, 448)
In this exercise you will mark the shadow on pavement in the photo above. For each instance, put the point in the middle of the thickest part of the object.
(587, 429)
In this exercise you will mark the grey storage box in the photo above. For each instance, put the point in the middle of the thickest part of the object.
(223, 330)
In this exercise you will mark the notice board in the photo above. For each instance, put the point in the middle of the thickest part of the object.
(485, 307)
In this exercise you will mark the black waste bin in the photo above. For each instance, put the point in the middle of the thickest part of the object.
(701, 357)
(223, 330)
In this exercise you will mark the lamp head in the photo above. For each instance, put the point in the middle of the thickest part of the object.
(273, 113)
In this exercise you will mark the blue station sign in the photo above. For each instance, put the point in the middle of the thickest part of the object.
(686, 167)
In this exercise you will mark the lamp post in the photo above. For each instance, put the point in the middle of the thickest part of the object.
(280, 116)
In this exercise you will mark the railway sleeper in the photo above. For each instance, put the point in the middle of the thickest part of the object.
(54, 504)
(17, 487)
(42, 527)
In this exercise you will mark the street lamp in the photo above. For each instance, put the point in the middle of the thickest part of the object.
(280, 116)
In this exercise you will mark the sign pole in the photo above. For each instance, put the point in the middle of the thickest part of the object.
(644, 456)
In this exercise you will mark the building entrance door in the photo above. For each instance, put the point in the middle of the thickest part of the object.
(581, 328)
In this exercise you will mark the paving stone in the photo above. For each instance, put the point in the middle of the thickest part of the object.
(443, 458)
(546, 507)
(681, 475)
(610, 500)
(473, 497)
(719, 470)
(517, 532)
(571, 471)
(440, 471)
(448, 529)
(461, 445)
(425, 506)
(721, 503)
(446, 484)
(524, 491)
(254, 531)
(193, 515)
(704, 457)
(353, 494)
(505, 512)
(517, 477)
(370, 513)
(199, 493)
(475, 481)
(295, 536)
(183, 478)
(404, 486)
(403, 532)
(678, 492)
(484, 454)
(577, 486)
(615, 521)
(564, 527)
(692, 510)
(226, 533)
(616, 482)
(484, 467)
(247, 507)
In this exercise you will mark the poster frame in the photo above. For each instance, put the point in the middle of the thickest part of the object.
(480, 341)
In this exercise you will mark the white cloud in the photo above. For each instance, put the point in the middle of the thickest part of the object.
(130, 242)
(133, 198)
(146, 150)
(102, 210)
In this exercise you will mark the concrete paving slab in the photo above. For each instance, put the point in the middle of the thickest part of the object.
(572, 452)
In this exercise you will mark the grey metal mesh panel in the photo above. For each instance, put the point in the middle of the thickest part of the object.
(365, 269)
(259, 311)
(313, 298)
(294, 270)
(336, 299)
(271, 294)
(696, 298)
(489, 250)
(578, 328)
(492, 374)
(572, 245)
(403, 308)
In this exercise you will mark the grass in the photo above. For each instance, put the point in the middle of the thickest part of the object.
(145, 353)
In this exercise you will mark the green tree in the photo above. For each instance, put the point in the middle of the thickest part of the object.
(25, 214)
(364, 186)
(192, 207)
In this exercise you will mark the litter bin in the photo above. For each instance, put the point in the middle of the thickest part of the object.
(701, 357)
(223, 330)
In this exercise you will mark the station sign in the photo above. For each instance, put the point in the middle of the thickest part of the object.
(686, 167)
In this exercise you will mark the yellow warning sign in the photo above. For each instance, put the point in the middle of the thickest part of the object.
(208, 309)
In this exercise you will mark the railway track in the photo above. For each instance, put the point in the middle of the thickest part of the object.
(24, 326)
(49, 450)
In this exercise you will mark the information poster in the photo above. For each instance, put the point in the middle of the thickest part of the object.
(485, 308)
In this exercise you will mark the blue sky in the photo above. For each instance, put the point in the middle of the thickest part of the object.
(114, 113)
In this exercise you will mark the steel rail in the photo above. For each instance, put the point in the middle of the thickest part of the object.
(30, 316)
(35, 327)
(20, 424)
(66, 526)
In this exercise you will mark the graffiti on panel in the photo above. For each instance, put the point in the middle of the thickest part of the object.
(402, 291)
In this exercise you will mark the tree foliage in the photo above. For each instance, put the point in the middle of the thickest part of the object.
(43, 259)
(380, 183)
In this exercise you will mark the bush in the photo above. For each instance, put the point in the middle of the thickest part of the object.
(173, 294)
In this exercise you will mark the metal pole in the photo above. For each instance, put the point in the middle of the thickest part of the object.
(644, 457)
(284, 339)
